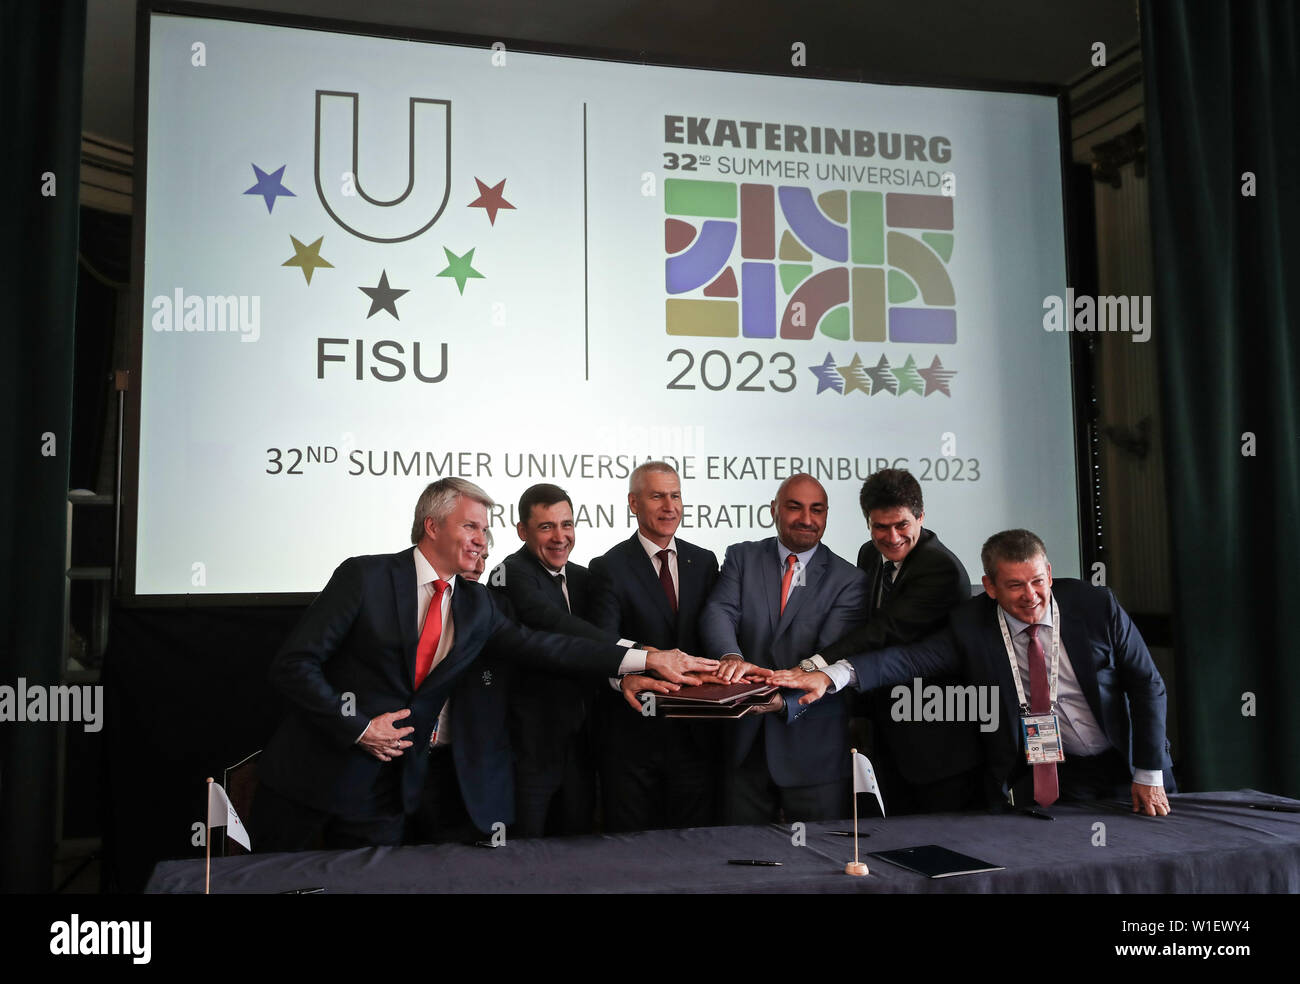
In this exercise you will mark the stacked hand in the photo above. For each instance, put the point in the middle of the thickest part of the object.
(814, 683)
(676, 666)
(689, 671)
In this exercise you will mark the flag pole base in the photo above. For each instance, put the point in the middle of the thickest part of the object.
(855, 868)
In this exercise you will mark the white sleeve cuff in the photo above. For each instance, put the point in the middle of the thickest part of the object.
(633, 662)
(841, 674)
(1149, 777)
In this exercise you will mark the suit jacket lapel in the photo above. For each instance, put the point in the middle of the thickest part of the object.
(769, 583)
(873, 576)
(690, 580)
(1074, 639)
(995, 655)
(550, 585)
(643, 569)
(404, 588)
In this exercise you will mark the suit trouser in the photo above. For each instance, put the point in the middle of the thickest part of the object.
(751, 795)
(655, 773)
(441, 817)
(555, 775)
(279, 823)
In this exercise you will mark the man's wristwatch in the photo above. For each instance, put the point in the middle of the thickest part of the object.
(813, 664)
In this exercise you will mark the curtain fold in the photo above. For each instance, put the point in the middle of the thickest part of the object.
(1223, 99)
(41, 54)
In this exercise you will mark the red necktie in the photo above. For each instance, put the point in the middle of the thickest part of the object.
(429, 635)
(1040, 702)
(790, 561)
(666, 579)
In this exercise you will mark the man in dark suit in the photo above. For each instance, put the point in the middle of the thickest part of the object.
(555, 775)
(777, 600)
(915, 581)
(1074, 650)
(368, 670)
(650, 588)
(469, 791)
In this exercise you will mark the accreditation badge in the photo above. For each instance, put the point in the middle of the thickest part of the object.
(1042, 736)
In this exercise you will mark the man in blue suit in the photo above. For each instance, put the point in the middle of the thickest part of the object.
(777, 601)
(368, 671)
(1073, 649)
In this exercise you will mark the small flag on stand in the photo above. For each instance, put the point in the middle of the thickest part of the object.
(222, 814)
(864, 779)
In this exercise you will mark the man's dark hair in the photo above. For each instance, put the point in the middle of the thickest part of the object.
(542, 495)
(1012, 547)
(891, 488)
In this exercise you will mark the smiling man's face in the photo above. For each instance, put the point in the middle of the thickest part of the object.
(548, 534)
(456, 544)
(1023, 589)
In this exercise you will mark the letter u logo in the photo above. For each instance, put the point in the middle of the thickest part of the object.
(367, 217)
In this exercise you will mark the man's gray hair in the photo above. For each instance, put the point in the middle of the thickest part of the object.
(1012, 547)
(646, 467)
(438, 500)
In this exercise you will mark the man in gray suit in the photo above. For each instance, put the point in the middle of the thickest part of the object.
(775, 601)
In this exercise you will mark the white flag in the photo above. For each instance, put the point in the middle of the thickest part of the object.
(864, 779)
(222, 814)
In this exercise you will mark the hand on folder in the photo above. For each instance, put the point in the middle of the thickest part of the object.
(636, 683)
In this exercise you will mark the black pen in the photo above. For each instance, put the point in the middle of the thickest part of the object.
(759, 864)
(1036, 813)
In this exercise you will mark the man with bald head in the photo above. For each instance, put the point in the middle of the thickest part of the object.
(777, 600)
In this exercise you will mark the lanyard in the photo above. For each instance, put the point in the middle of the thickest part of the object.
(1011, 656)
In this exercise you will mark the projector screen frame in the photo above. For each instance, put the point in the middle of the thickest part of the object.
(124, 589)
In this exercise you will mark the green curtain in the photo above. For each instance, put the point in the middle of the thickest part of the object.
(1223, 99)
(41, 49)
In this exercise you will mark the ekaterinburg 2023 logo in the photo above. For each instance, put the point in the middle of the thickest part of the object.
(852, 266)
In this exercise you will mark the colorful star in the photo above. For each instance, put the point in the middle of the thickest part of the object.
(383, 297)
(908, 377)
(269, 186)
(882, 378)
(827, 377)
(459, 268)
(937, 378)
(491, 199)
(855, 376)
(307, 257)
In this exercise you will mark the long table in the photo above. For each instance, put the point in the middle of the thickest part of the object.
(1242, 841)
